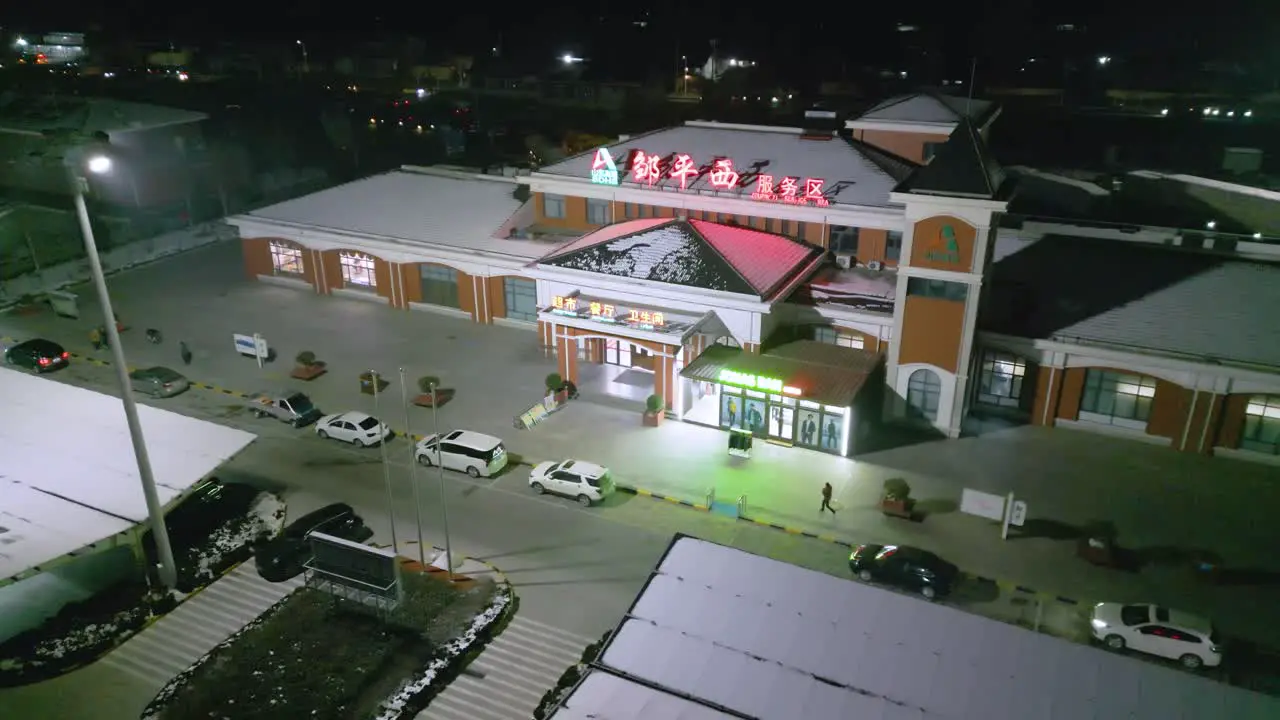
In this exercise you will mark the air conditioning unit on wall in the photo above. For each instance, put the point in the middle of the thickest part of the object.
(845, 260)
(875, 265)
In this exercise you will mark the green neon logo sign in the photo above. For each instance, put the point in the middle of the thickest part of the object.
(753, 382)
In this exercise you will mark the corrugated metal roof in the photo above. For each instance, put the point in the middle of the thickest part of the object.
(416, 207)
(694, 253)
(826, 374)
(774, 641)
(852, 178)
(1138, 296)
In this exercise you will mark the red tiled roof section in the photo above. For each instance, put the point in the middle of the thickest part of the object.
(765, 260)
(609, 232)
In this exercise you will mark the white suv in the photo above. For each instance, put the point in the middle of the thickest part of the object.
(1157, 630)
(476, 454)
(583, 481)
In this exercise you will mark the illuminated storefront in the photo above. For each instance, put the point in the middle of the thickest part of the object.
(805, 393)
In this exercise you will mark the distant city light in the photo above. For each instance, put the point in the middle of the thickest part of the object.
(1164, 111)
(421, 93)
(21, 42)
(1257, 236)
(1248, 113)
(1211, 224)
(568, 59)
(1104, 60)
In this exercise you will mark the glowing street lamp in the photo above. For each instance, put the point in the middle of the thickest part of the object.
(99, 164)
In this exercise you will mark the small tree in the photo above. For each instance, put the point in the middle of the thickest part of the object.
(554, 382)
(896, 489)
(306, 358)
(653, 404)
(426, 382)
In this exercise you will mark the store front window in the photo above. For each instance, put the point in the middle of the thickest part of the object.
(358, 271)
(1000, 379)
(1262, 425)
(521, 298)
(924, 390)
(286, 259)
(1118, 399)
(439, 285)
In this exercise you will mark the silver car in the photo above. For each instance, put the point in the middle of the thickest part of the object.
(160, 382)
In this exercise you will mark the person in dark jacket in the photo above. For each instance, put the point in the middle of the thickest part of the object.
(826, 499)
(185, 352)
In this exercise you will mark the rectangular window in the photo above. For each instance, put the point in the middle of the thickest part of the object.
(521, 298)
(358, 271)
(893, 246)
(1113, 398)
(799, 233)
(771, 225)
(646, 211)
(439, 285)
(1262, 425)
(629, 210)
(941, 289)
(286, 259)
(553, 206)
(1000, 381)
(832, 336)
(844, 239)
(597, 211)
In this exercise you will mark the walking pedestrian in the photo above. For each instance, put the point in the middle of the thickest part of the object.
(95, 339)
(826, 499)
(185, 352)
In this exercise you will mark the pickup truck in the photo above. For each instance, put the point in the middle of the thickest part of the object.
(294, 408)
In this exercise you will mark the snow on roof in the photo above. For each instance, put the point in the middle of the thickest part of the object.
(604, 695)
(694, 253)
(69, 474)
(768, 640)
(421, 207)
(927, 108)
(852, 177)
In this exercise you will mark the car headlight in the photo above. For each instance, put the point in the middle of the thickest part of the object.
(1097, 624)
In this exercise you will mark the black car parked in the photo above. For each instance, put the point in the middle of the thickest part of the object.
(906, 567)
(208, 507)
(283, 558)
(40, 355)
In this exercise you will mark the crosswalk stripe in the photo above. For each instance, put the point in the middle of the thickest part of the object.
(145, 673)
(511, 665)
(443, 708)
(522, 689)
(174, 651)
(570, 645)
(532, 648)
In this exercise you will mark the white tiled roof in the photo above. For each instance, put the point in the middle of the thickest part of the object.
(604, 695)
(773, 641)
(418, 207)
(776, 151)
(926, 108)
(1226, 312)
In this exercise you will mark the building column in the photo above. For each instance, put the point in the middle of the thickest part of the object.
(753, 348)
(1048, 389)
(595, 350)
(664, 382)
(567, 356)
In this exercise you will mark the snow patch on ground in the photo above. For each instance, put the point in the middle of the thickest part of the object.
(265, 518)
(394, 706)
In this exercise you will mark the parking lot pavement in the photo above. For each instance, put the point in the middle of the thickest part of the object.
(1165, 505)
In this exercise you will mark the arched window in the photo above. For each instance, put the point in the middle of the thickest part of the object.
(924, 390)
(1262, 425)
(286, 258)
(358, 271)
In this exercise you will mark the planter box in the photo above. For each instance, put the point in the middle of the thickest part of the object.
(308, 372)
(443, 395)
(366, 385)
(897, 508)
(562, 396)
(654, 419)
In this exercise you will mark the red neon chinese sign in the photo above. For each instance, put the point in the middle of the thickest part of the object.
(648, 169)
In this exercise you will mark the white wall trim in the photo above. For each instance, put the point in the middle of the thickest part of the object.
(1247, 455)
(903, 127)
(440, 310)
(365, 295)
(518, 324)
(1114, 431)
(289, 282)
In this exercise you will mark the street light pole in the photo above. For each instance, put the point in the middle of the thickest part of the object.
(306, 64)
(413, 469)
(386, 469)
(444, 505)
(155, 510)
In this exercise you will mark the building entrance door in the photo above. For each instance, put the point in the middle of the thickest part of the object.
(782, 422)
(617, 352)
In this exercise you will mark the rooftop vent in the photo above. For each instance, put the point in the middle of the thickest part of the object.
(819, 124)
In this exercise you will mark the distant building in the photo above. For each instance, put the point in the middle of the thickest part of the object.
(59, 48)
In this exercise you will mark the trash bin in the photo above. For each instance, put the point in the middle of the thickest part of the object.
(64, 304)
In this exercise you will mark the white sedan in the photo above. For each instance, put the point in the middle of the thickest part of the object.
(1189, 639)
(356, 428)
(583, 481)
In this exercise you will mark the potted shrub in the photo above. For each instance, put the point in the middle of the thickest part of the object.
(426, 399)
(307, 367)
(896, 498)
(369, 379)
(654, 411)
(556, 386)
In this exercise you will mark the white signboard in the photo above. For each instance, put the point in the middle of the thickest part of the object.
(987, 505)
(1019, 514)
(251, 345)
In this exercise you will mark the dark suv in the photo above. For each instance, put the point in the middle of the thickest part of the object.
(209, 506)
(907, 567)
(283, 558)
